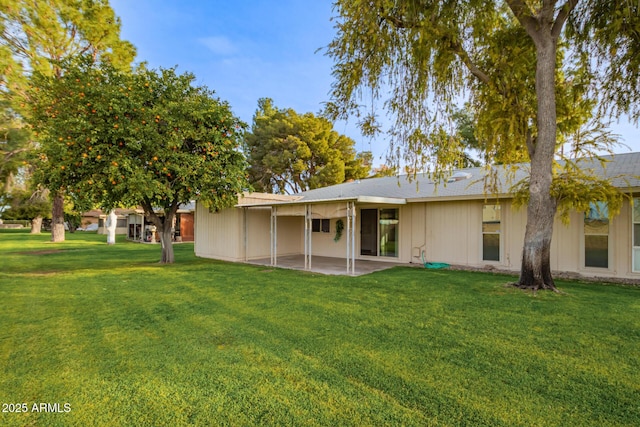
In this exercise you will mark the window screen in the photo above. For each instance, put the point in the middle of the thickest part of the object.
(491, 225)
(596, 236)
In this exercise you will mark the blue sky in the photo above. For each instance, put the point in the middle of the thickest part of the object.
(249, 49)
(243, 50)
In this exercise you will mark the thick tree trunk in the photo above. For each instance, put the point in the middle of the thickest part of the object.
(36, 225)
(167, 244)
(57, 219)
(535, 271)
(163, 228)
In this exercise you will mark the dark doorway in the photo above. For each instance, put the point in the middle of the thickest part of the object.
(369, 232)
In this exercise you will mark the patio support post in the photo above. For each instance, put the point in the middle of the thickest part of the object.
(308, 225)
(353, 237)
(348, 238)
(244, 231)
(351, 240)
(274, 236)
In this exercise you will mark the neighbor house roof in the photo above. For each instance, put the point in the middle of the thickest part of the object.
(184, 208)
(97, 213)
(622, 169)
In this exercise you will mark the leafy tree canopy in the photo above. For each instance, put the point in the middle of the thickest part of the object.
(27, 205)
(38, 35)
(533, 73)
(150, 138)
(14, 145)
(288, 152)
(423, 59)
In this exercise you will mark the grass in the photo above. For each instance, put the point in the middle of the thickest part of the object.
(125, 341)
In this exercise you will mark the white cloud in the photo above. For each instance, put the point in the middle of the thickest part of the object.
(220, 45)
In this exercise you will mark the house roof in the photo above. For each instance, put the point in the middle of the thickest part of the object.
(252, 199)
(184, 208)
(97, 213)
(622, 169)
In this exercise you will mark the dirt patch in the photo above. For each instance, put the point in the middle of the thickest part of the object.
(40, 273)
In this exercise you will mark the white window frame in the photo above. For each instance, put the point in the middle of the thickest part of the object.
(499, 233)
(378, 226)
(584, 245)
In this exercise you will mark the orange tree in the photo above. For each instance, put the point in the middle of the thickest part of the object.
(147, 138)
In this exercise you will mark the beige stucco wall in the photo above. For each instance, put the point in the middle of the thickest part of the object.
(290, 235)
(452, 232)
(568, 246)
(258, 233)
(444, 230)
(219, 234)
(240, 234)
(323, 244)
(447, 231)
(623, 241)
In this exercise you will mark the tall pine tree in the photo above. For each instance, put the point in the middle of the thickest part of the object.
(290, 152)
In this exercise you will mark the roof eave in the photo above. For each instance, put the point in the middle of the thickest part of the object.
(437, 198)
(357, 199)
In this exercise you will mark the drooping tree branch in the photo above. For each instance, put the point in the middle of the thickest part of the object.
(466, 60)
(455, 45)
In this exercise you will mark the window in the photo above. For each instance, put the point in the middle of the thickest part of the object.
(596, 236)
(636, 235)
(491, 233)
(318, 225)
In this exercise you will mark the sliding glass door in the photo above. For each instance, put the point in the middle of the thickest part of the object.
(379, 232)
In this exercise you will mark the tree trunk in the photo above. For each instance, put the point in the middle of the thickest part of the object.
(535, 271)
(167, 244)
(36, 225)
(57, 219)
(164, 225)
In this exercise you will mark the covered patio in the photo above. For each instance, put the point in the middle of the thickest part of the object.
(327, 265)
(319, 254)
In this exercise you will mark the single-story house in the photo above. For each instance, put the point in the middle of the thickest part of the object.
(139, 228)
(394, 219)
(98, 217)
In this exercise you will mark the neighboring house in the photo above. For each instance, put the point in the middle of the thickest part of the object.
(397, 220)
(140, 229)
(121, 225)
(97, 216)
(90, 217)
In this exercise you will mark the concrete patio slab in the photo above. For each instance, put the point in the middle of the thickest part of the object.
(327, 265)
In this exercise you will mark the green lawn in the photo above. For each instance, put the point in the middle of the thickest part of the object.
(125, 341)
